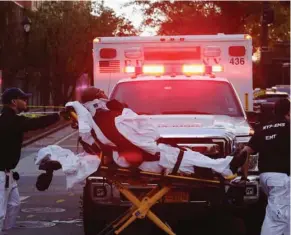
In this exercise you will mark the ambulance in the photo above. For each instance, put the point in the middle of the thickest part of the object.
(197, 90)
(229, 56)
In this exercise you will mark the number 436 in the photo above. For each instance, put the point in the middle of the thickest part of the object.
(237, 61)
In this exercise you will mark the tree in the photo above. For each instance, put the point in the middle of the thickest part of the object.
(62, 40)
(11, 42)
(212, 17)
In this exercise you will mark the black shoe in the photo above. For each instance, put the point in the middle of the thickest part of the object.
(239, 159)
(50, 166)
(43, 181)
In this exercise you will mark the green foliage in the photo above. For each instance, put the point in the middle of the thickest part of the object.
(60, 44)
(212, 17)
(63, 32)
(11, 40)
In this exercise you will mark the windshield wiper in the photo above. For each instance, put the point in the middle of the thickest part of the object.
(145, 113)
(186, 112)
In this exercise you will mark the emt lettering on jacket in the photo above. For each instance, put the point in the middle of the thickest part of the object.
(275, 125)
(271, 137)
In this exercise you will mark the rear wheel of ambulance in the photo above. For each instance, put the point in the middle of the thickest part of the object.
(93, 215)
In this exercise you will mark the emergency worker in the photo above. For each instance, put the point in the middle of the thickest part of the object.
(12, 128)
(272, 142)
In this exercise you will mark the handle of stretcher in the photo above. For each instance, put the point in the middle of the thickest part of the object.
(74, 119)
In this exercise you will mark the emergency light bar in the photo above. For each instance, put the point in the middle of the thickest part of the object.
(153, 69)
(187, 69)
(193, 69)
(217, 68)
(129, 69)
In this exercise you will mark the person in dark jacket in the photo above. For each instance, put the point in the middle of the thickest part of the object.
(12, 128)
(272, 142)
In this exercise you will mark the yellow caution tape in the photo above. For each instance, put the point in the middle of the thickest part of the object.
(32, 115)
(60, 201)
(48, 107)
(36, 106)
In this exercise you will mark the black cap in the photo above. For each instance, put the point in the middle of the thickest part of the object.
(282, 107)
(13, 93)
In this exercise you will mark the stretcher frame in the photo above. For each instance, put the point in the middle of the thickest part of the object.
(141, 207)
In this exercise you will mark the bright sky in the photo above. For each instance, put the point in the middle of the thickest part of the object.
(134, 16)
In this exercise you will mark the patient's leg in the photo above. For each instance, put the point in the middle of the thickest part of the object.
(191, 158)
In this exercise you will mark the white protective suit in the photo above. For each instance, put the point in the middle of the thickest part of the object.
(141, 132)
(76, 167)
(277, 218)
(9, 202)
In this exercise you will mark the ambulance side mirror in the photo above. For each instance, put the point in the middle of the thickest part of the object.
(252, 117)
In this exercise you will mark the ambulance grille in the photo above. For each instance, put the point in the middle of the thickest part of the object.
(224, 145)
(109, 66)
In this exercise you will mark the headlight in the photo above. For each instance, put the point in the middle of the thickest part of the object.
(253, 162)
(241, 141)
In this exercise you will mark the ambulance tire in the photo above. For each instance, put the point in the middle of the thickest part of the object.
(93, 220)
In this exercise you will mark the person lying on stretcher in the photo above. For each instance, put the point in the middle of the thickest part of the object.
(132, 140)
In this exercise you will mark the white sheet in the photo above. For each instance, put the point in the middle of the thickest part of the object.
(142, 133)
(75, 167)
(78, 167)
(138, 130)
(86, 124)
(169, 155)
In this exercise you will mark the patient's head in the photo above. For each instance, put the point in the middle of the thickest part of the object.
(92, 93)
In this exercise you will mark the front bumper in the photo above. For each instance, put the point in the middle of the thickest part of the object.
(106, 194)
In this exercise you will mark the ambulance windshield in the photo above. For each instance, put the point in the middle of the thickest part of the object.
(178, 97)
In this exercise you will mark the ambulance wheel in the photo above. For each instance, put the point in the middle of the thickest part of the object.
(93, 222)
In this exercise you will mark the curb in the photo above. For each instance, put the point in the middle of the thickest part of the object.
(38, 137)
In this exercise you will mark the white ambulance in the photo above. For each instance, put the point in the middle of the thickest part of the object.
(230, 56)
(195, 89)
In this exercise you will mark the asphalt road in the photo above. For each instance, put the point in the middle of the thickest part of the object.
(56, 211)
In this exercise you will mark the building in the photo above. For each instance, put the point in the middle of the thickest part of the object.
(24, 4)
(12, 40)
(31, 5)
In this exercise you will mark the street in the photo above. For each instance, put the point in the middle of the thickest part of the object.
(57, 211)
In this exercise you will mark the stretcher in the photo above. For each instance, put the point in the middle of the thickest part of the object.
(141, 206)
